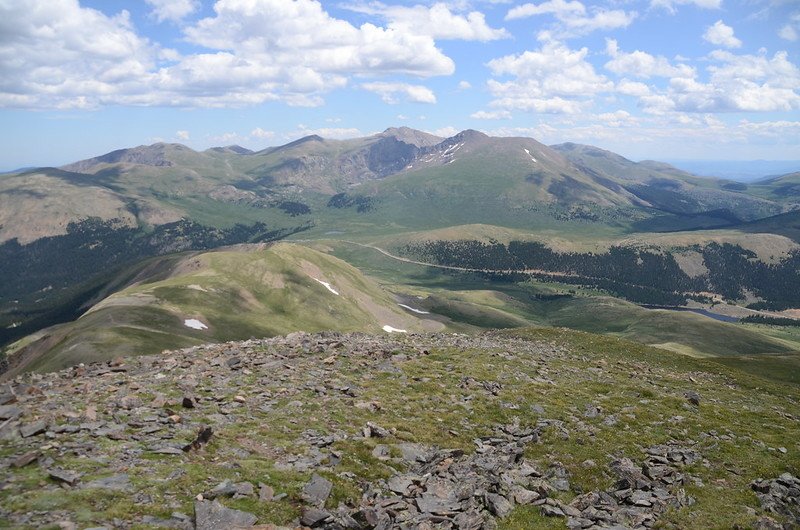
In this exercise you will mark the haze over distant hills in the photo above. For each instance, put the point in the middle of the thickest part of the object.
(739, 170)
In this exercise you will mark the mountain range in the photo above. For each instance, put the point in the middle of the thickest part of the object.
(80, 240)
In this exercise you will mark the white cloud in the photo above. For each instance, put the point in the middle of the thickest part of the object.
(602, 20)
(261, 134)
(280, 35)
(734, 83)
(573, 16)
(259, 50)
(721, 35)
(642, 64)
(228, 138)
(742, 83)
(182, 135)
(658, 104)
(389, 92)
(776, 130)
(553, 7)
(173, 10)
(464, 85)
(445, 132)
(494, 115)
(788, 31)
(553, 79)
(670, 5)
(544, 132)
(436, 21)
(334, 133)
(620, 118)
(50, 58)
(627, 87)
(681, 135)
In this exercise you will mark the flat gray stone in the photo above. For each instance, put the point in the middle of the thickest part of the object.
(317, 490)
(167, 451)
(32, 429)
(67, 477)
(265, 493)
(212, 515)
(525, 496)
(498, 505)
(8, 412)
(313, 516)
(470, 520)
(121, 482)
(399, 484)
(414, 453)
(27, 458)
(428, 503)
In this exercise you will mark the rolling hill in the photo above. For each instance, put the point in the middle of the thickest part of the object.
(239, 292)
(272, 289)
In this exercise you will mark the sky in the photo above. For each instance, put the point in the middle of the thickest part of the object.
(649, 79)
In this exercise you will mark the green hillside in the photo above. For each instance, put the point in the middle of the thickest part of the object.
(783, 188)
(236, 294)
(483, 302)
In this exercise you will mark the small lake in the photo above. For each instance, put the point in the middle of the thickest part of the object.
(704, 312)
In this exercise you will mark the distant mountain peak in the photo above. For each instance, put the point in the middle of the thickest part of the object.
(469, 135)
(411, 136)
(237, 149)
(309, 138)
(147, 155)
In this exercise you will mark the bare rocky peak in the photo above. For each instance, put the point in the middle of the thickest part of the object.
(471, 134)
(412, 136)
(147, 155)
(235, 149)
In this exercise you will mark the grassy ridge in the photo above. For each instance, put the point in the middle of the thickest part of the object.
(470, 299)
(246, 292)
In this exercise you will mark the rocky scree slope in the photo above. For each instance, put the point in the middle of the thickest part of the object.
(531, 429)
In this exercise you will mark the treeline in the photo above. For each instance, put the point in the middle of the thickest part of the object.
(638, 275)
(773, 321)
(343, 200)
(733, 269)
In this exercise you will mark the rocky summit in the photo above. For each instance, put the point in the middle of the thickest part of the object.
(533, 428)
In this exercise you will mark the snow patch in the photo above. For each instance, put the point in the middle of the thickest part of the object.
(328, 286)
(390, 329)
(194, 324)
(421, 312)
(530, 155)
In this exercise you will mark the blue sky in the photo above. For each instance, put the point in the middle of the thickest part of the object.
(657, 79)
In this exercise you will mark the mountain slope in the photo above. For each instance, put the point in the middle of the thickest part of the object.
(230, 294)
(783, 188)
(669, 189)
(42, 202)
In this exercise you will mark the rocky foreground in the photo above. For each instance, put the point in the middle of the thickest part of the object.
(549, 429)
